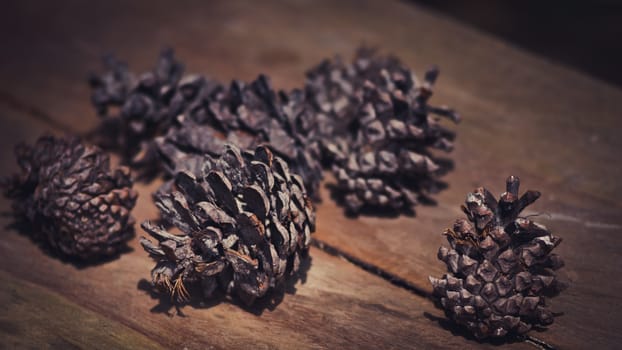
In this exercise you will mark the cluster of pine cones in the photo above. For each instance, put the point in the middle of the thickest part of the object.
(368, 121)
(243, 165)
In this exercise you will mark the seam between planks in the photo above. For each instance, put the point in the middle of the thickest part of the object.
(405, 284)
(371, 268)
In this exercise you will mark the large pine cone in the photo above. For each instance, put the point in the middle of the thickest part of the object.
(246, 223)
(501, 266)
(247, 115)
(385, 159)
(77, 206)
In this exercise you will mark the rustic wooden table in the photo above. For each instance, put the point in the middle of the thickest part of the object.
(556, 129)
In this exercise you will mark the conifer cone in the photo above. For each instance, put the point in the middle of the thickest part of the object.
(77, 206)
(247, 115)
(246, 223)
(376, 131)
(385, 160)
(501, 266)
(142, 107)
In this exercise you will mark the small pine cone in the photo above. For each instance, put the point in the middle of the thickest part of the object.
(146, 106)
(247, 115)
(500, 266)
(246, 223)
(77, 206)
(387, 163)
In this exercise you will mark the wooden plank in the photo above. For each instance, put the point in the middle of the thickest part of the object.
(35, 318)
(336, 306)
(339, 306)
(554, 128)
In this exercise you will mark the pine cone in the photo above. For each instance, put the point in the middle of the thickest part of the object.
(247, 115)
(246, 222)
(376, 130)
(387, 161)
(77, 206)
(501, 266)
(146, 106)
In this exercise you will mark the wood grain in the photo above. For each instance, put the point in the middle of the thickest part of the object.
(32, 317)
(554, 128)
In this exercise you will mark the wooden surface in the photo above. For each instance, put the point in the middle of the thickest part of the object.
(554, 128)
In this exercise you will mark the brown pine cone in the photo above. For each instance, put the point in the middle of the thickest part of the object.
(501, 268)
(246, 223)
(247, 115)
(373, 112)
(77, 206)
(386, 161)
(141, 102)
(145, 106)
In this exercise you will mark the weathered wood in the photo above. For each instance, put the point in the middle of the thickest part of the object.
(554, 128)
(33, 317)
(339, 306)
